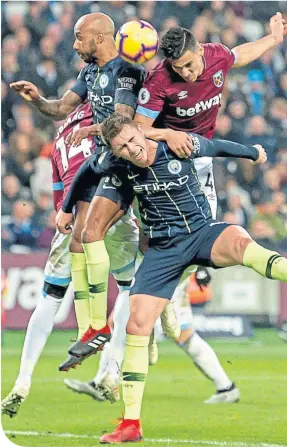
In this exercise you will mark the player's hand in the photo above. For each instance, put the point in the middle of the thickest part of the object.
(202, 277)
(76, 136)
(278, 27)
(179, 142)
(26, 89)
(64, 222)
(262, 156)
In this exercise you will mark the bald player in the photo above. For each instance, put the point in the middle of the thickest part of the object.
(109, 84)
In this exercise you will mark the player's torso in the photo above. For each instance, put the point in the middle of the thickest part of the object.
(102, 83)
(67, 158)
(193, 107)
(170, 200)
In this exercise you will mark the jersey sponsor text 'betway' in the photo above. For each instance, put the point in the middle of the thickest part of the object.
(199, 106)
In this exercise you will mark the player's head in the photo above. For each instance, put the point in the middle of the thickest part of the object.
(184, 53)
(93, 35)
(125, 139)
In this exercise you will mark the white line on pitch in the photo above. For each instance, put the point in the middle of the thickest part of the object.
(151, 440)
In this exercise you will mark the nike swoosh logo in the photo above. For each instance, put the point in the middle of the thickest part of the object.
(108, 187)
(130, 177)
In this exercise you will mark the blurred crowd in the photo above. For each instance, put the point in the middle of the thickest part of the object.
(37, 45)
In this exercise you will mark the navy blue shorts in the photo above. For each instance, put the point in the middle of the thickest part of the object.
(166, 259)
(112, 188)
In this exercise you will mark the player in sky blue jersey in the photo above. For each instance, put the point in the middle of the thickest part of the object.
(178, 218)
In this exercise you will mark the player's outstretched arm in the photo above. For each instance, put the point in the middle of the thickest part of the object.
(224, 148)
(57, 109)
(249, 52)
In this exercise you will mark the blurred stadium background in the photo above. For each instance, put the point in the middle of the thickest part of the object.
(37, 40)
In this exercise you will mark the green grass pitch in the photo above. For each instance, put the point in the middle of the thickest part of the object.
(173, 410)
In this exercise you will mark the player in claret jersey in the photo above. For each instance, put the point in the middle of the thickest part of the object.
(66, 160)
(183, 93)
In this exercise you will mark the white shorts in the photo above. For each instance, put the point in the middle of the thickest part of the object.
(58, 265)
(204, 170)
(182, 307)
(122, 242)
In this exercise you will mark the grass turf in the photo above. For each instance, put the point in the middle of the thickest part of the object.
(173, 404)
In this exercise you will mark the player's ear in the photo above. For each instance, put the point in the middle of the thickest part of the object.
(100, 38)
(139, 128)
(201, 50)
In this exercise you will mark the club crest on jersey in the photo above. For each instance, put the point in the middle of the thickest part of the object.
(218, 78)
(116, 181)
(174, 167)
(103, 81)
(144, 96)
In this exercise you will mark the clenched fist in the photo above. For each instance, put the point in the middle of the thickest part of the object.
(262, 156)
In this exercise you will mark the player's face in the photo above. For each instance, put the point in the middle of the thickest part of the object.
(85, 43)
(131, 145)
(190, 65)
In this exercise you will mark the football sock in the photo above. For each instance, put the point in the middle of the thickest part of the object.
(81, 290)
(266, 262)
(104, 362)
(118, 339)
(206, 360)
(39, 328)
(134, 372)
(98, 265)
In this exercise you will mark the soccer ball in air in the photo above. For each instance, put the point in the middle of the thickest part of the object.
(137, 41)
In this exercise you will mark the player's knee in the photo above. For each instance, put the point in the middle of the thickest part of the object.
(54, 290)
(240, 244)
(75, 245)
(89, 234)
(138, 325)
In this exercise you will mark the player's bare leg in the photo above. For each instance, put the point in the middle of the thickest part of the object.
(234, 246)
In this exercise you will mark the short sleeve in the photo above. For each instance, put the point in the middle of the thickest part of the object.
(226, 54)
(128, 83)
(80, 86)
(151, 96)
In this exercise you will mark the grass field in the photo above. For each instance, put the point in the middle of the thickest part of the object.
(173, 411)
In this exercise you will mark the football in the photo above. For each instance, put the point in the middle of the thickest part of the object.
(137, 41)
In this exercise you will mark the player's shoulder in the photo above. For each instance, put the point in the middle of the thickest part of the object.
(216, 50)
(123, 66)
(160, 74)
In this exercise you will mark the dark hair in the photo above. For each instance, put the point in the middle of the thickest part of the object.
(113, 125)
(176, 41)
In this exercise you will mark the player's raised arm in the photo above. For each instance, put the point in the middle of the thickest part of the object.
(249, 52)
(57, 109)
(224, 148)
